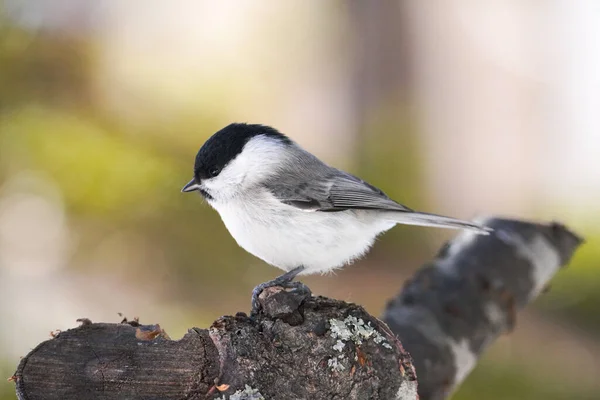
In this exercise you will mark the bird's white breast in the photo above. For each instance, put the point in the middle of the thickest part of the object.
(287, 237)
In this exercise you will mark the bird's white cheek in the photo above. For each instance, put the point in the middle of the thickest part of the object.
(222, 188)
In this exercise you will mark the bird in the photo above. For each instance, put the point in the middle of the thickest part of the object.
(287, 207)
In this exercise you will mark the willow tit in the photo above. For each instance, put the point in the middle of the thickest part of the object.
(290, 209)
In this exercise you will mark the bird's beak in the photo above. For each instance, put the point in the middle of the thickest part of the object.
(191, 186)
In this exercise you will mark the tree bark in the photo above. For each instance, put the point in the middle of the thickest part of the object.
(302, 347)
(456, 306)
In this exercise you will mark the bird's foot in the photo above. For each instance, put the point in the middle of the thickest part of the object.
(285, 281)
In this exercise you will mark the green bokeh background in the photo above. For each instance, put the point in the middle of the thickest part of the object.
(136, 245)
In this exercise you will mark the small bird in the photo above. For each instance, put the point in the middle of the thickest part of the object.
(290, 209)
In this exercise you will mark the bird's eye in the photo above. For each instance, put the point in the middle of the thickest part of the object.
(213, 172)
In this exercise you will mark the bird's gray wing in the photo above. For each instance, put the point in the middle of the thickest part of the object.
(335, 191)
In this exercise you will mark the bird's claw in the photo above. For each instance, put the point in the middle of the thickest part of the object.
(297, 287)
(285, 281)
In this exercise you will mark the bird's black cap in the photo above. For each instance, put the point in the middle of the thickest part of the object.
(226, 144)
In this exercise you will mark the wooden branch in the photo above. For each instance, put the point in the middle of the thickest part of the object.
(304, 347)
(313, 348)
(456, 306)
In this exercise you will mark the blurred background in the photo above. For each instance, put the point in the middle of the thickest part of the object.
(462, 108)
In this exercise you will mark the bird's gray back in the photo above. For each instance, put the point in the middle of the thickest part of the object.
(305, 182)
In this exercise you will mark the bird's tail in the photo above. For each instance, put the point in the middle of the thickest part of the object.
(439, 221)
